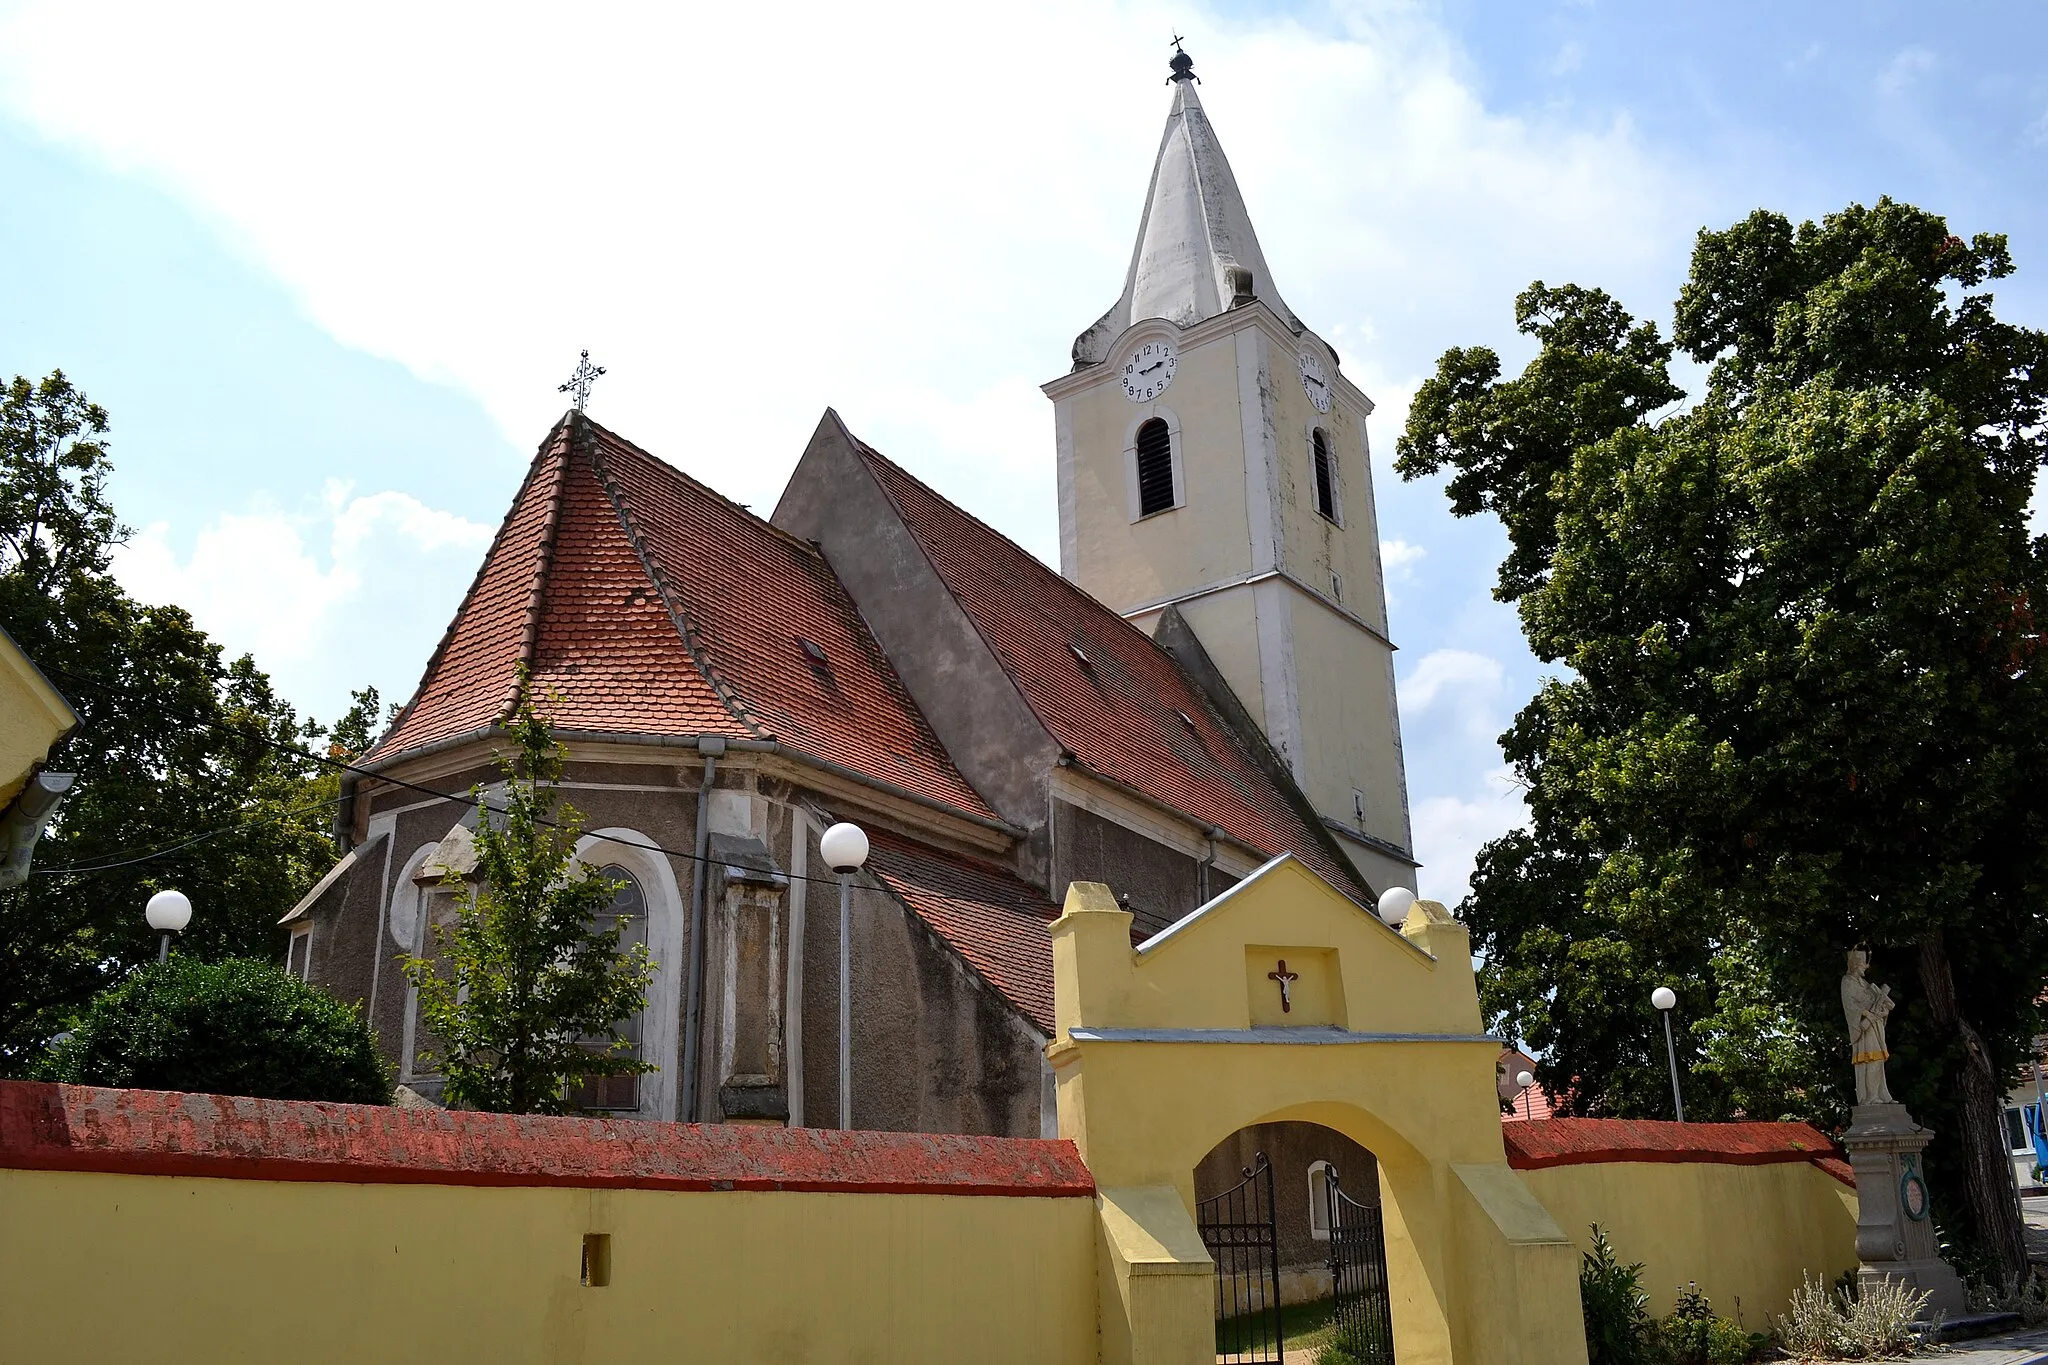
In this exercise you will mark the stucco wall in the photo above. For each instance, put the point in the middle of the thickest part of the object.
(980, 1252)
(1744, 1233)
(1163, 884)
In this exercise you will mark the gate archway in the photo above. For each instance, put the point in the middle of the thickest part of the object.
(1164, 1051)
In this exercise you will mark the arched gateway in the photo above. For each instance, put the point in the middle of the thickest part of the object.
(1283, 1002)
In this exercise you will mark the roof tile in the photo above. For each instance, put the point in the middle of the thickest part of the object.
(1103, 688)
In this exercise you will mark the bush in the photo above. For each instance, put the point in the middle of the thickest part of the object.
(1695, 1335)
(1876, 1321)
(239, 1027)
(1618, 1326)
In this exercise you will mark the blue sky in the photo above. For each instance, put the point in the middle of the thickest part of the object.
(326, 271)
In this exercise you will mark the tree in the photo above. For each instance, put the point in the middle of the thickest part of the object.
(174, 744)
(1805, 695)
(528, 993)
(237, 1027)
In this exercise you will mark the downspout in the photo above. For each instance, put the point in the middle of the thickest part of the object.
(711, 746)
(793, 989)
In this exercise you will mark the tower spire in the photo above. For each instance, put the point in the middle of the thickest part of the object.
(1196, 254)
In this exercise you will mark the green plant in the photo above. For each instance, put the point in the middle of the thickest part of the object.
(239, 1027)
(525, 995)
(1695, 1335)
(1619, 1330)
(1881, 1319)
(2026, 1297)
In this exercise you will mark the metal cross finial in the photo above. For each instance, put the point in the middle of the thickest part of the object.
(1183, 65)
(580, 382)
(1286, 979)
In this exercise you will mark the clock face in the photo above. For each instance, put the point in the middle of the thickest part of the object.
(1314, 382)
(1149, 369)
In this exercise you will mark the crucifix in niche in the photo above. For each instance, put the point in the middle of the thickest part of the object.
(1286, 980)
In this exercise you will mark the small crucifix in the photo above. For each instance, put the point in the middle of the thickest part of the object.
(580, 382)
(1286, 979)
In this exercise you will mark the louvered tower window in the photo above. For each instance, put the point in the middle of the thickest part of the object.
(1326, 480)
(1155, 468)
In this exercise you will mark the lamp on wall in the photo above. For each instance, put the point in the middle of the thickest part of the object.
(168, 912)
(845, 849)
(1666, 1000)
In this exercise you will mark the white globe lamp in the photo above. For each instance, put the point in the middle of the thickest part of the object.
(1525, 1079)
(1664, 998)
(845, 847)
(1395, 903)
(168, 912)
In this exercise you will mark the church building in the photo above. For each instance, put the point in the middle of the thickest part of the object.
(1206, 683)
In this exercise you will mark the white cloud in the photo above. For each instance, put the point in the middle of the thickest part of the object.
(917, 216)
(1569, 58)
(1449, 831)
(304, 593)
(1399, 558)
(1450, 673)
(1904, 70)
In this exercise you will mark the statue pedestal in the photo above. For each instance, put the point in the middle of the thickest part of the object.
(1894, 1233)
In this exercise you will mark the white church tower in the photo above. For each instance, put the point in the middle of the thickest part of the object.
(1213, 458)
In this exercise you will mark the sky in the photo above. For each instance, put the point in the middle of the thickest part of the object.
(326, 266)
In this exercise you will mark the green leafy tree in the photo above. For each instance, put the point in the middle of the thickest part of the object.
(1805, 699)
(174, 743)
(526, 994)
(237, 1027)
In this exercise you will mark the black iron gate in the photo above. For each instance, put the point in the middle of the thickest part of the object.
(1237, 1227)
(1358, 1276)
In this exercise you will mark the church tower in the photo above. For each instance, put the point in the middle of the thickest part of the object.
(1213, 459)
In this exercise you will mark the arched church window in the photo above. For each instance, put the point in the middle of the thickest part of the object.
(1155, 468)
(1326, 475)
(629, 904)
(1319, 1201)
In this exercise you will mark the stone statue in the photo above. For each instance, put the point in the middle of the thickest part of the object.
(1866, 1005)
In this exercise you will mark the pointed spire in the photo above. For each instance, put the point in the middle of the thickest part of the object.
(1196, 255)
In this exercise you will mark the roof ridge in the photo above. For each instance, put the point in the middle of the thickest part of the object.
(548, 443)
(685, 627)
(536, 595)
(606, 434)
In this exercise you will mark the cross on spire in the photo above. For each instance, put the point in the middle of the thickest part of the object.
(580, 382)
(1286, 979)
(1183, 65)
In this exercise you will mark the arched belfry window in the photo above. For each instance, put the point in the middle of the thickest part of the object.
(1326, 474)
(1155, 468)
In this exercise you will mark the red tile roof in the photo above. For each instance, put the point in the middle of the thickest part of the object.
(1575, 1142)
(646, 603)
(992, 919)
(1127, 712)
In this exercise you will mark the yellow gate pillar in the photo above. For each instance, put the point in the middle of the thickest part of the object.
(1164, 1049)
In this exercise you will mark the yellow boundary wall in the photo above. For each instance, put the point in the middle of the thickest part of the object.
(172, 1270)
(1745, 1234)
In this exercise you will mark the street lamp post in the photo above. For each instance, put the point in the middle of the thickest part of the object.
(1525, 1080)
(1666, 1000)
(845, 847)
(168, 912)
